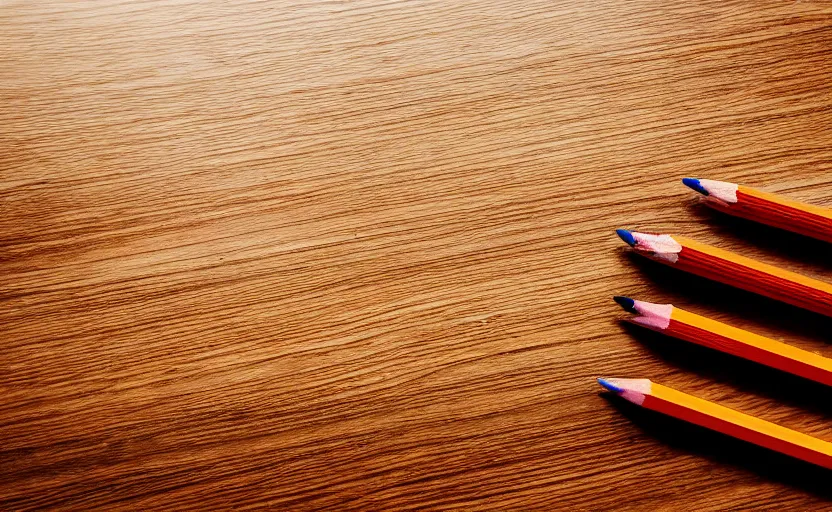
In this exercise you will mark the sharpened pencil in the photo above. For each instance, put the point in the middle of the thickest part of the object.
(765, 208)
(732, 269)
(677, 322)
(722, 419)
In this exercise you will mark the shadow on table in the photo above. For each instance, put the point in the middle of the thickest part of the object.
(726, 450)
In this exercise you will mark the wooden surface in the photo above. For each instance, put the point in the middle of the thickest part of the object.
(359, 255)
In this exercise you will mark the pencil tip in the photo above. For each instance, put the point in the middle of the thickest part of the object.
(627, 303)
(694, 184)
(626, 236)
(609, 385)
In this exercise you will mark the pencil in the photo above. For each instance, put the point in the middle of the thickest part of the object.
(764, 207)
(732, 269)
(677, 322)
(722, 419)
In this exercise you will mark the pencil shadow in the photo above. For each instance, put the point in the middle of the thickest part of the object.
(776, 241)
(747, 376)
(725, 449)
(694, 289)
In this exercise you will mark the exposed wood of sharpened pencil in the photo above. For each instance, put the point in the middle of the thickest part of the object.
(722, 419)
(735, 270)
(766, 208)
(694, 328)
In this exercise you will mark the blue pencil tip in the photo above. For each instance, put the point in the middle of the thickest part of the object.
(626, 236)
(695, 185)
(609, 385)
(626, 302)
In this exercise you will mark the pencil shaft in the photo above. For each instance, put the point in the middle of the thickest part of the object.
(708, 333)
(766, 280)
(673, 321)
(779, 212)
(741, 426)
(722, 419)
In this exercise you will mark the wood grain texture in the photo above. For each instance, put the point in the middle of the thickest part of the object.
(359, 255)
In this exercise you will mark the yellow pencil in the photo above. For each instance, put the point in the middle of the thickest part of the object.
(730, 268)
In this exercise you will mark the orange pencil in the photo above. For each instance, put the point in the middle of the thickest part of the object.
(766, 208)
(722, 419)
(677, 322)
(732, 269)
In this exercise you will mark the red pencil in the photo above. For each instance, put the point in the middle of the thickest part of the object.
(651, 395)
(765, 208)
(732, 269)
(688, 326)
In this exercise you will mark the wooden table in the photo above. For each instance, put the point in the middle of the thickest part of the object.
(360, 255)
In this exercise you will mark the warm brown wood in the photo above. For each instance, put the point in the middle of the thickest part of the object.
(359, 255)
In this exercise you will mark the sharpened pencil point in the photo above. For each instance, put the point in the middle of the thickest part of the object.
(627, 303)
(610, 386)
(694, 184)
(626, 236)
